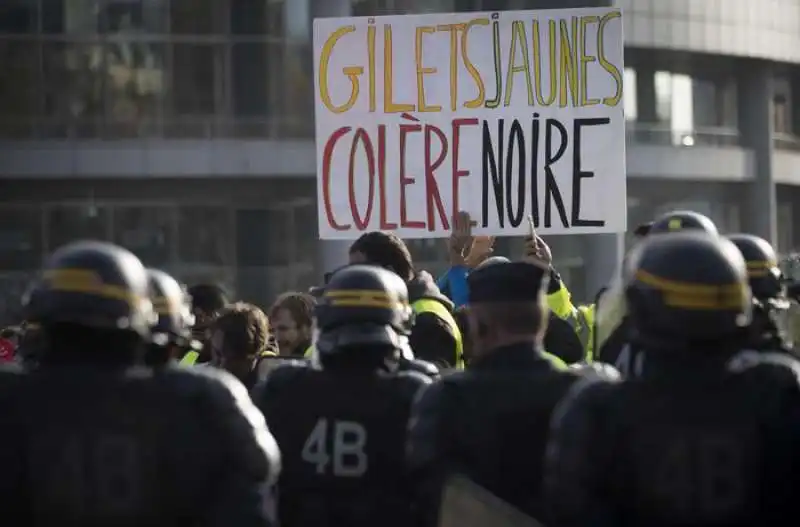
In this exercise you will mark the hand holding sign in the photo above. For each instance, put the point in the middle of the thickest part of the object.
(481, 248)
(460, 238)
(536, 250)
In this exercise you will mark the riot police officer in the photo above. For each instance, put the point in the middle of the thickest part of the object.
(110, 443)
(612, 326)
(707, 435)
(172, 333)
(769, 293)
(489, 422)
(341, 419)
(406, 361)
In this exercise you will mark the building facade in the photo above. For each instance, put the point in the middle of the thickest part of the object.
(183, 129)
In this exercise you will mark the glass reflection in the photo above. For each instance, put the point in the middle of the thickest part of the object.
(291, 86)
(195, 17)
(77, 17)
(135, 85)
(696, 109)
(249, 84)
(145, 231)
(19, 87)
(196, 69)
(21, 243)
(260, 17)
(74, 80)
(136, 16)
(630, 99)
(205, 235)
(69, 223)
(18, 17)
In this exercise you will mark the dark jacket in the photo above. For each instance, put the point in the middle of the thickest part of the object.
(355, 478)
(560, 340)
(432, 338)
(216, 458)
(488, 423)
(692, 419)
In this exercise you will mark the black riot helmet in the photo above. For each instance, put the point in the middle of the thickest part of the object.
(362, 306)
(687, 289)
(682, 220)
(173, 306)
(95, 285)
(766, 278)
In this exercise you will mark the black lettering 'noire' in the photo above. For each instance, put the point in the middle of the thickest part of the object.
(578, 174)
(552, 194)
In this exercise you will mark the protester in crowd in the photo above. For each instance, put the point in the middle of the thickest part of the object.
(240, 340)
(567, 335)
(465, 252)
(207, 301)
(291, 317)
(435, 336)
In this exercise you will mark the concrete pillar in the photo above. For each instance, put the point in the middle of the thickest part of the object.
(757, 132)
(331, 253)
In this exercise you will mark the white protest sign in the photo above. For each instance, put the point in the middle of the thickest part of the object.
(502, 115)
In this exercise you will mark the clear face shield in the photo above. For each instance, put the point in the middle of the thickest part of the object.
(403, 346)
(610, 309)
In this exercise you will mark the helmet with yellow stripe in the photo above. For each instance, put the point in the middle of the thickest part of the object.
(766, 278)
(687, 287)
(95, 285)
(682, 220)
(362, 306)
(173, 306)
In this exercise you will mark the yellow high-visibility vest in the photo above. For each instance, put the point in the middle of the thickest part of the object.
(429, 305)
(190, 358)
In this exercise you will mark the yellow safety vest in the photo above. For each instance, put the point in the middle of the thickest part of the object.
(582, 326)
(555, 361)
(309, 352)
(429, 305)
(190, 358)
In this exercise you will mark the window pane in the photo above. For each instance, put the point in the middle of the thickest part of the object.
(291, 81)
(136, 16)
(250, 90)
(145, 231)
(663, 84)
(21, 245)
(705, 103)
(630, 101)
(69, 223)
(206, 235)
(135, 87)
(12, 287)
(74, 76)
(18, 17)
(306, 227)
(252, 238)
(79, 17)
(196, 69)
(279, 237)
(19, 87)
(254, 17)
(195, 17)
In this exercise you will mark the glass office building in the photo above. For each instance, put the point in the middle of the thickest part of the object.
(183, 129)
